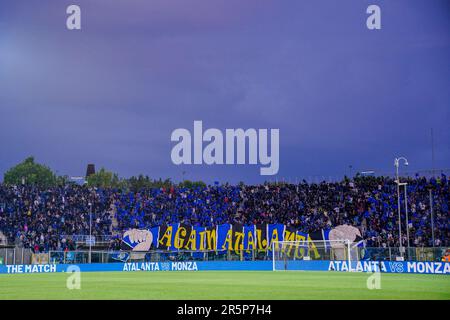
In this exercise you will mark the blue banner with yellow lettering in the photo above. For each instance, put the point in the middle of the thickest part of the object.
(224, 237)
(228, 237)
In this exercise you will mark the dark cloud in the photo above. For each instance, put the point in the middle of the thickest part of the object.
(113, 92)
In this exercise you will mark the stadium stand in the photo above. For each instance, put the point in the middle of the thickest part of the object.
(50, 219)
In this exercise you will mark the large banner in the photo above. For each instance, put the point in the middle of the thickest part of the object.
(234, 237)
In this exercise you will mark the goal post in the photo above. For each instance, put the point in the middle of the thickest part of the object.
(290, 255)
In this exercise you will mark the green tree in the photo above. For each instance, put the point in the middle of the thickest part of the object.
(104, 179)
(63, 180)
(167, 183)
(139, 182)
(144, 182)
(188, 184)
(30, 172)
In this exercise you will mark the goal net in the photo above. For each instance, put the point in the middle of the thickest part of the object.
(292, 255)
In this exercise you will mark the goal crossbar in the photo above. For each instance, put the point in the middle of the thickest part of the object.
(286, 254)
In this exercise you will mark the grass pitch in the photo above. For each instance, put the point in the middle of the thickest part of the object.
(224, 285)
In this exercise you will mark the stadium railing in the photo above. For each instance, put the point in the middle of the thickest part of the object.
(18, 255)
(372, 254)
(84, 238)
(15, 255)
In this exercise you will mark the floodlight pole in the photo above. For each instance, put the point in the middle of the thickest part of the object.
(396, 164)
(90, 232)
(407, 217)
(432, 217)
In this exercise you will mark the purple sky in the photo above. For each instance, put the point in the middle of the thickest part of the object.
(112, 93)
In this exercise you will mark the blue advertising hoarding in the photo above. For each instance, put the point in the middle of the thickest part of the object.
(292, 265)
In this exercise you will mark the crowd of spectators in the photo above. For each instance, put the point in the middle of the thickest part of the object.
(43, 219)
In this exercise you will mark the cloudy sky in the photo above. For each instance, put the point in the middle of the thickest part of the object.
(113, 92)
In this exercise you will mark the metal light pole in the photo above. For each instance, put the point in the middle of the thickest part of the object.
(90, 232)
(407, 217)
(397, 164)
(432, 218)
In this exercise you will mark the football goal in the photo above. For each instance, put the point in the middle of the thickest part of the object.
(292, 255)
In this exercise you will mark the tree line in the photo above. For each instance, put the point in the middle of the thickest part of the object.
(29, 172)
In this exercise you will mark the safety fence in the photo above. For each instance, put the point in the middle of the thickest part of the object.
(15, 255)
(11, 256)
(86, 238)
